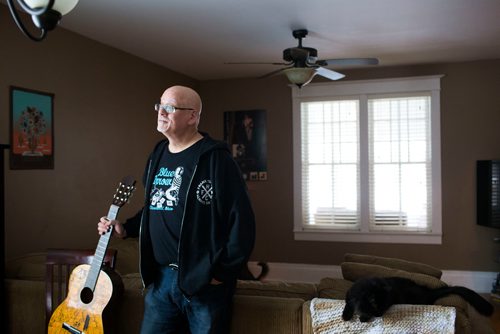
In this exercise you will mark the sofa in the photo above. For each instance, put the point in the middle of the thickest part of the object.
(259, 306)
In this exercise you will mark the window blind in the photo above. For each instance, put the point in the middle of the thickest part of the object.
(400, 179)
(330, 163)
(399, 161)
(367, 161)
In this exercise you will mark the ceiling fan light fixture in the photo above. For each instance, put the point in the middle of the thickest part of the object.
(45, 14)
(300, 76)
(303, 64)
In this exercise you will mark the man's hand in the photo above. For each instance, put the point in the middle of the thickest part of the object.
(105, 224)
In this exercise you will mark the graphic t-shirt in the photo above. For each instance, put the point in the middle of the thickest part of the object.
(167, 201)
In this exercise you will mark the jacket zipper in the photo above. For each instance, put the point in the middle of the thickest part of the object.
(182, 224)
(140, 233)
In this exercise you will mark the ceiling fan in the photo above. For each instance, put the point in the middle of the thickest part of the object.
(302, 63)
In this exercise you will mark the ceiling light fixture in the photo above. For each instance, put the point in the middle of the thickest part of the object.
(300, 76)
(45, 14)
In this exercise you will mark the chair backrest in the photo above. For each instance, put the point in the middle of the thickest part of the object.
(59, 265)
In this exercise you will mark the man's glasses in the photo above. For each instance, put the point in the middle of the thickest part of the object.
(170, 109)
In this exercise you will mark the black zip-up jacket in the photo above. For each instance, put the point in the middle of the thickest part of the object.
(218, 226)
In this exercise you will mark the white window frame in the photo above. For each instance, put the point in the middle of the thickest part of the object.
(362, 89)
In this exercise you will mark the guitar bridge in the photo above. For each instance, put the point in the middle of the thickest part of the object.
(71, 329)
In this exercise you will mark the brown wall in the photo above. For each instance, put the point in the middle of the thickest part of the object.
(104, 129)
(470, 130)
(104, 124)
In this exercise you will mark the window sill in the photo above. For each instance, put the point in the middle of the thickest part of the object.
(374, 237)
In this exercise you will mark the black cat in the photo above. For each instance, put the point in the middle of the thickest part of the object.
(371, 297)
(246, 274)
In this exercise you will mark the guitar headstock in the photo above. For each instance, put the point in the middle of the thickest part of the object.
(124, 191)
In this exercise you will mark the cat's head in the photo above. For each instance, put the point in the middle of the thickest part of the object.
(372, 300)
(373, 304)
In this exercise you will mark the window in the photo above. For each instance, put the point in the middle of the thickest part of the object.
(367, 161)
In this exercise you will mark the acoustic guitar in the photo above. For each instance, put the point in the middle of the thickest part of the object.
(91, 287)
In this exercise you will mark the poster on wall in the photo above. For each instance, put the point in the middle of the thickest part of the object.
(31, 129)
(246, 134)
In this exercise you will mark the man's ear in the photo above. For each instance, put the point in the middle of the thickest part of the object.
(193, 117)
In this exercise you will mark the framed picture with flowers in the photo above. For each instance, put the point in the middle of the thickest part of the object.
(31, 129)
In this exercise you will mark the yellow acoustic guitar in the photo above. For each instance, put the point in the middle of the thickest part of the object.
(92, 288)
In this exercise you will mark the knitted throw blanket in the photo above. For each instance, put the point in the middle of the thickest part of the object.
(326, 315)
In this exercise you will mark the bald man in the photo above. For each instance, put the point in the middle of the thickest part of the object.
(197, 226)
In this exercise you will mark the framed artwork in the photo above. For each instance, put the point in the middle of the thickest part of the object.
(246, 134)
(31, 129)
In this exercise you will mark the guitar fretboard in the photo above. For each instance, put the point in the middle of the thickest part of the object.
(100, 253)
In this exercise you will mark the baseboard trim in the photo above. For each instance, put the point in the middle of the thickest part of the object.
(479, 281)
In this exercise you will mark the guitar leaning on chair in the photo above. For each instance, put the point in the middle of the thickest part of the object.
(91, 287)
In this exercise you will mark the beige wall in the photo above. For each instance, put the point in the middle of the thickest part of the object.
(104, 129)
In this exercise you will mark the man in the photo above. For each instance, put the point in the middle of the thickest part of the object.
(196, 228)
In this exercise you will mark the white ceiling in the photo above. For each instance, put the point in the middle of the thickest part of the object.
(196, 37)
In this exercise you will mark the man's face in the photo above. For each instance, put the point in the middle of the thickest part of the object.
(177, 122)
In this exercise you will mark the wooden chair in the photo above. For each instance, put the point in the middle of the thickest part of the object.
(59, 265)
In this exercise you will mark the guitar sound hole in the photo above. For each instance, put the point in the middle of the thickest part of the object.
(86, 295)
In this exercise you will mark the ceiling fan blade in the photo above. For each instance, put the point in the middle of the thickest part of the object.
(348, 62)
(332, 75)
(255, 63)
(274, 72)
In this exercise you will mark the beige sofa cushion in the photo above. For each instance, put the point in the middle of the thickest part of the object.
(334, 288)
(282, 289)
(266, 315)
(353, 271)
(413, 267)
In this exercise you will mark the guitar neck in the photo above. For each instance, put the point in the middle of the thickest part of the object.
(101, 249)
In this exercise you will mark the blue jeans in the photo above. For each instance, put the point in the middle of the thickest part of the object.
(167, 310)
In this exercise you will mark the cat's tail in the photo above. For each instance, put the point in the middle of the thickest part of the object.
(479, 303)
(264, 270)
